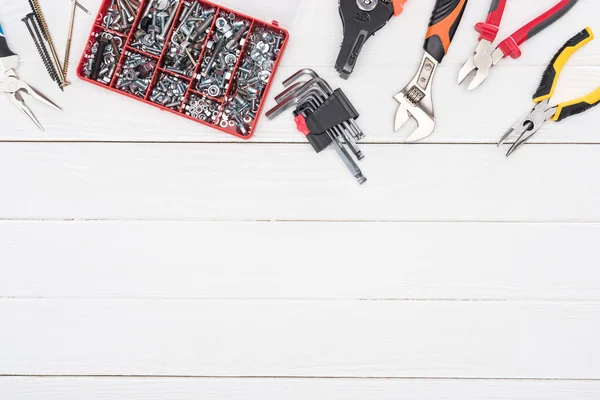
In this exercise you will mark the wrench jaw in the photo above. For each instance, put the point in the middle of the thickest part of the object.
(402, 115)
(416, 101)
(425, 121)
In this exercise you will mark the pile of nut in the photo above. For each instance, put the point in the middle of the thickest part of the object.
(136, 74)
(154, 26)
(202, 108)
(112, 46)
(169, 92)
(188, 38)
(222, 52)
(251, 80)
(120, 15)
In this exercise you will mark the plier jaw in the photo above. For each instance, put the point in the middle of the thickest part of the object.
(525, 128)
(478, 66)
(14, 88)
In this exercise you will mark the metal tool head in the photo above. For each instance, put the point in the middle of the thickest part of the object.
(15, 89)
(525, 128)
(478, 67)
(17, 99)
(289, 90)
(294, 88)
(299, 74)
(294, 97)
(11, 85)
(416, 101)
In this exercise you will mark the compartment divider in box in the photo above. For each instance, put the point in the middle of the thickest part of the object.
(197, 69)
(116, 33)
(235, 70)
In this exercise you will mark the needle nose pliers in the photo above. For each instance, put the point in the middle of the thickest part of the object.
(11, 85)
(529, 125)
(483, 60)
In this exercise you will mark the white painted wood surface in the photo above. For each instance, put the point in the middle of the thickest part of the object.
(145, 257)
(295, 389)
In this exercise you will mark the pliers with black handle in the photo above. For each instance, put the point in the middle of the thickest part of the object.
(361, 20)
(526, 127)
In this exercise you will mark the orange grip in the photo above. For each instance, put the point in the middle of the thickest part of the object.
(398, 6)
(444, 22)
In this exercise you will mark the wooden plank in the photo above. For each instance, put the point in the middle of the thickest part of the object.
(300, 338)
(93, 114)
(28, 388)
(299, 260)
(283, 182)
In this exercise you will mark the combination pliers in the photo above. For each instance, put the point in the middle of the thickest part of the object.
(13, 87)
(485, 58)
(543, 112)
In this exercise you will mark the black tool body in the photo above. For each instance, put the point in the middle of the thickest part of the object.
(359, 26)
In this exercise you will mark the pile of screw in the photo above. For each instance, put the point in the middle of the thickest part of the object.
(120, 15)
(222, 52)
(188, 38)
(136, 74)
(251, 80)
(154, 26)
(107, 61)
(169, 92)
(202, 108)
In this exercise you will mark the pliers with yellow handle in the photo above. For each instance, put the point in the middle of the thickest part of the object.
(528, 126)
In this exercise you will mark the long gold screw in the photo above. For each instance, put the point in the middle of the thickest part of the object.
(69, 38)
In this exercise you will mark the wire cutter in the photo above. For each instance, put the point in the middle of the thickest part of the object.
(528, 126)
(361, 20)
(483, 60)
(11, 85)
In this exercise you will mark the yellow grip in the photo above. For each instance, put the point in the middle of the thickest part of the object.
(577, 106)
(552, 73)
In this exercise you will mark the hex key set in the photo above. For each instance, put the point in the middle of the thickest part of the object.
(193, 58)
(325, 116)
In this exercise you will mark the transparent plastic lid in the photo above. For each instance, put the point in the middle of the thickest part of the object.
(282, 11)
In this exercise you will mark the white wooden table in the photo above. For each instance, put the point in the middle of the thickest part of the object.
(143, 256)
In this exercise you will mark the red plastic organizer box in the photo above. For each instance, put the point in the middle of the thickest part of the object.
(193, 58)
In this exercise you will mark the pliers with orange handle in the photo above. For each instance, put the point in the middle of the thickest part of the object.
(484, 59)
(361, 20)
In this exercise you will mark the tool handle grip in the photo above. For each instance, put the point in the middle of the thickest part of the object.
(4, 49)
(577, 106)
(445, 20)
(398, 6)
(489, 30)
(550, 77)
(510, 47)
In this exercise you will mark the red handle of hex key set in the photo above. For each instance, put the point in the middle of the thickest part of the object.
(510, 47)
(489, 29)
